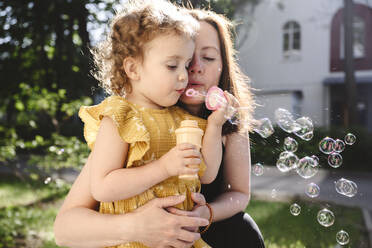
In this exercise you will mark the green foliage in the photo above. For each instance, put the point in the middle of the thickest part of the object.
(355, 157)
(62, 152)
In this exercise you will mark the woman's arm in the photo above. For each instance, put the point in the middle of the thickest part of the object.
(237, 175)
(78, 225)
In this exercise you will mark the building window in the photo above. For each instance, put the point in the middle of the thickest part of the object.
(362, 39)
(291, 38)
(359, 38)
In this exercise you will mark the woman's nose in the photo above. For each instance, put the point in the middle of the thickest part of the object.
(196, 66)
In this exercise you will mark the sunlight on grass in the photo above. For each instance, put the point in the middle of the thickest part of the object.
(281, 229)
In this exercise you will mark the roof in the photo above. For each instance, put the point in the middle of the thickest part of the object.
(340, 80)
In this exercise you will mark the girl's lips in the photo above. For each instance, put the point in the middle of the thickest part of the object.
(180, 91)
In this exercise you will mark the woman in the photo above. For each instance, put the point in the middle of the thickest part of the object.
(213, 64)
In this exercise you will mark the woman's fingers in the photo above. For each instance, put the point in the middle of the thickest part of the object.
(193, 221)
(180, 212)
(169, 201)
(189, 237)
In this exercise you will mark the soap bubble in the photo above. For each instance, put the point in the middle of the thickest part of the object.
(287, 161)
(338, 146)
(335, 159)
(312, 190)
(295, 209)
(346, 187)
(264, 127)
(342, 237)
(326, 145)
(47, 180)
(307, 167)
(316, 159)
(191, 93)
(290, 144)
(232, 113)
(284, 119)
(306, 125)
(350, 139)
(273, 193)
(308, 136)
(258, 169)
(326, 217)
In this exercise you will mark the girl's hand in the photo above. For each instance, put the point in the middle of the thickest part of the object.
(176, 161)
(219, 116)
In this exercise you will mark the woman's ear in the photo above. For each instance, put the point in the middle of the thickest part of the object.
(131, 68)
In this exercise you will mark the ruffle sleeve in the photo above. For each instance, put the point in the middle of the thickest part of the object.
(127, 120)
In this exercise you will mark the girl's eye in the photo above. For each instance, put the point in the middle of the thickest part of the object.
(209, 58)
(172, 67)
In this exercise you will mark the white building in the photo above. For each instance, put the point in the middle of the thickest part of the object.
(293, 52)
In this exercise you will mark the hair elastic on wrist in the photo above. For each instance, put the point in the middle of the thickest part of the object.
(210, 219)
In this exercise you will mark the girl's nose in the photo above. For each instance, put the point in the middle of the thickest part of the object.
(182, 77)
(196, 65)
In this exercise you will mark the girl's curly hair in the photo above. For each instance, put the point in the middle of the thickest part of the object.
(139, 22)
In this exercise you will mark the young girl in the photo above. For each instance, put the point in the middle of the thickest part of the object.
(143, 64)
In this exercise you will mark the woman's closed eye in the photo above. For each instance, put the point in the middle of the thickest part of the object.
(209, 58)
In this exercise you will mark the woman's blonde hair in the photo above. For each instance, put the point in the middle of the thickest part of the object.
(232, 79)
(138, 23)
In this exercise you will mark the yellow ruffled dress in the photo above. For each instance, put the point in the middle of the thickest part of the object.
(150, 134)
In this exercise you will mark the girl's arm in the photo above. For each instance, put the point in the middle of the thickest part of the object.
(111, 182)
(78, 225)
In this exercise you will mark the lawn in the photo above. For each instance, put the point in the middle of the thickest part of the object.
(282, 229)
(28, 209)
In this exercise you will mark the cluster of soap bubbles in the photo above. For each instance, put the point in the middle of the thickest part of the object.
(302, 127)
(307, 166)
(325, 217)
(333, 148)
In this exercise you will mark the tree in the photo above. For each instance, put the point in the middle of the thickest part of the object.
(44, 67)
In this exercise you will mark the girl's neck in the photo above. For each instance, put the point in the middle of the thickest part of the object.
(142, 101)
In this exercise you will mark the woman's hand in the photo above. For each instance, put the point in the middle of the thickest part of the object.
(199, 210)
(157, 228)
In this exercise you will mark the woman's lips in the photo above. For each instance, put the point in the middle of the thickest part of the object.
(194, 84)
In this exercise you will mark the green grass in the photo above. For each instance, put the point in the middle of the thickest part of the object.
(27, 212)
(281, 229)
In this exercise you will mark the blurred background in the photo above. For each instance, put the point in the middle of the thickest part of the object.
(313, 58)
